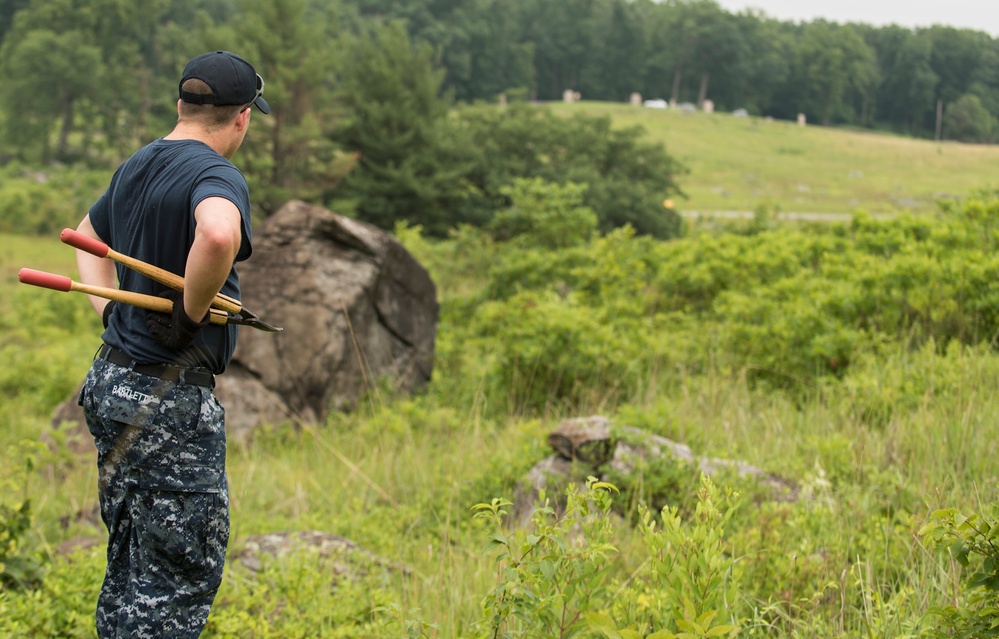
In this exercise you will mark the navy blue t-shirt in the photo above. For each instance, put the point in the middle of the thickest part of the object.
(147, 213)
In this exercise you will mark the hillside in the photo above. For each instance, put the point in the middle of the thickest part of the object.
(738, 164)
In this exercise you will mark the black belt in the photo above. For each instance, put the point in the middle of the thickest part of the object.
(162, 371)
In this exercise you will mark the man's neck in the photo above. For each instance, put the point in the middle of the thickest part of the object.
(185, 131)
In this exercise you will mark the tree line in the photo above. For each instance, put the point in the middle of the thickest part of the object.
(385, 91)
(889, 77)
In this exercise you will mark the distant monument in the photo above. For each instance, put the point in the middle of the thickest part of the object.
(569, 96)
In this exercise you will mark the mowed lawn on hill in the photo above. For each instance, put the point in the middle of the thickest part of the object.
(740, 163)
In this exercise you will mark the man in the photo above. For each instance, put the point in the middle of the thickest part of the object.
(180, 204)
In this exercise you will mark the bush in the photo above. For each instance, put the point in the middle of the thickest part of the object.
(552, 575)
(21, 564)
(544, 216)
(968, 120)
(60, 606)
(969, 541)
(297, 596)
(39, 203)
(691, 584)
(627, 178)
(552, 351)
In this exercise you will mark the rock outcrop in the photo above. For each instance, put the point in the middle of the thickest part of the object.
(586, 446)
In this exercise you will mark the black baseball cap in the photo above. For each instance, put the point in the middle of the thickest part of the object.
(232, 80)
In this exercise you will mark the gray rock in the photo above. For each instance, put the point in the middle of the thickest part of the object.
(357, 311)
(347, 559)
(594, 445)
(587, 439)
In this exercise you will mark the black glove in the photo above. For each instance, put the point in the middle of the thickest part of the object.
(175, 330)
(106, 315)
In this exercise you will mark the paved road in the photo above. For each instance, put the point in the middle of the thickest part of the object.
(799, 216)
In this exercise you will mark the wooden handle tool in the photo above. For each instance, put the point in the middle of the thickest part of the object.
(100, 249)
(65, 284)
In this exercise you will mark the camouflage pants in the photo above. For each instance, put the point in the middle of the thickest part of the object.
(164, 499)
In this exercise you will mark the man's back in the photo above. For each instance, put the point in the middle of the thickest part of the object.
(148, 213)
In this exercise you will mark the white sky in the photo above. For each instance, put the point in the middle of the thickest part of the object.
(981, 15)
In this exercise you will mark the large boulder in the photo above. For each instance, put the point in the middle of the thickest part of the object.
(357, 310)
(359, 314)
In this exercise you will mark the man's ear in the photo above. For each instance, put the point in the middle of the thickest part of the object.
(243, 119)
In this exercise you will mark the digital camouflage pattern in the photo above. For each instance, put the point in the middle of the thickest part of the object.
(164, 499)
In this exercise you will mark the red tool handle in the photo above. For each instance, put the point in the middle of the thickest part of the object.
(45, 280)
(84, 242)
(65, 284)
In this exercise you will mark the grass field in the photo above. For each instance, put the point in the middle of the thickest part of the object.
(738, 164)
(417, 466)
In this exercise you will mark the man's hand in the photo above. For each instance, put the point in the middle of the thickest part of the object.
(176, 330)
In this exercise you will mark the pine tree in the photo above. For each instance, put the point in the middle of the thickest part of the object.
(410, 163)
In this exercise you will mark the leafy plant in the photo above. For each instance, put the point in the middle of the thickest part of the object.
(689, 586)
(21, 565)
(969, 540)
(36, 202)
(549, 576)
(544, 215)
(61, 605)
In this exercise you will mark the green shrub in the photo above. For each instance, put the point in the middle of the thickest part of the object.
(544, 215)
(49, 338)
(786, 306)
(628, 178)
(300, 595)
(39, 203)
(550, 575)
(655, 483)
(22, 565)
(62, 605)
(554, 351)
(968, 540)
(690, 584)
(18, 567)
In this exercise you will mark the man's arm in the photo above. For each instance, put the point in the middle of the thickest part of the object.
(217, 239)
(95, 271)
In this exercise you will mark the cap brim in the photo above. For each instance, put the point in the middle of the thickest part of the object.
(262, 104)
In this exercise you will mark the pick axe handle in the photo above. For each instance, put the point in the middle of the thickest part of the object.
(65, 284)
(88, 244)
